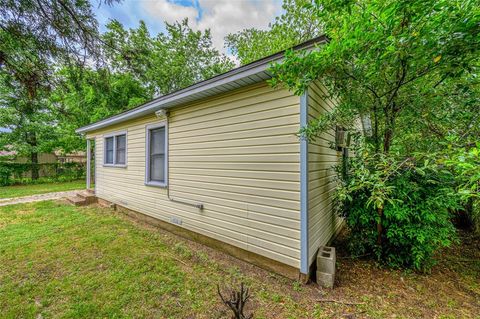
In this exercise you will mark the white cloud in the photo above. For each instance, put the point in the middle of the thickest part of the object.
(220, 16)
(224, 16)
(168, 11)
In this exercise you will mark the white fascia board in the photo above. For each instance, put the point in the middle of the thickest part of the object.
(172, 99)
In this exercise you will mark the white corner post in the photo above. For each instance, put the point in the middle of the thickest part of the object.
(89, 164)
(304, 264)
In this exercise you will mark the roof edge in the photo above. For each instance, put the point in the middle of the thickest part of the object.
(157, 103)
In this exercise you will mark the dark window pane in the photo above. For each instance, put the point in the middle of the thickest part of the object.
(121, 150)
(120, 141)
(109, 143)
(120, 156)
(109, 157)
(157, 141)
(109, 150)
(157, 155)
(157, 168)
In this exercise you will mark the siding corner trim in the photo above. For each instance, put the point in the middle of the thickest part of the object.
(304, 266)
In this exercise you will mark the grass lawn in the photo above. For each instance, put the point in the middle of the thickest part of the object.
(90, 262)
(34, 189)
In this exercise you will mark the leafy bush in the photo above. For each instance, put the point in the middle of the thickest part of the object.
(397, 209)
(5, 175)
(464, 162)
(14, 173)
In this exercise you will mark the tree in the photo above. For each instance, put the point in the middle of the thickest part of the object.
(167, 62)
(296, 25)
(384, 58)
(86, 95)
(456, 106)
(137, 68)
(34, 37)
(387, 62)
(59, 73)
(30, 128)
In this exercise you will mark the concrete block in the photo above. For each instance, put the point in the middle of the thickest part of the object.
(88, 197)
(326, 259)
(325, 280)
(77, 201)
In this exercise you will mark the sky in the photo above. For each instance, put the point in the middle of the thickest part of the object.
(220, 16)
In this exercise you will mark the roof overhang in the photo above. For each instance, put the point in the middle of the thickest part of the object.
(251, 73)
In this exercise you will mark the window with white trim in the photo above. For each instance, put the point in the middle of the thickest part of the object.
(156, 155)
(115, 146)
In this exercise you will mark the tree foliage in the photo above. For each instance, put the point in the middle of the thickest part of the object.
(398, 209)
(296, 25)
(58, 73)
(167, 62)
(35, 36)
(409, 71)
(138, 67)
(385, 58)
(88, 95)
(464, 162)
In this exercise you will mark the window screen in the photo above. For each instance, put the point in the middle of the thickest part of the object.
(109, 150)
(120, 149)
(157, 155)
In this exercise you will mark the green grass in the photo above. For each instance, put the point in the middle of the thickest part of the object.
(61, 261)
(34, 189)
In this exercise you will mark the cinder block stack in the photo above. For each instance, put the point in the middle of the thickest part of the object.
(326, 259)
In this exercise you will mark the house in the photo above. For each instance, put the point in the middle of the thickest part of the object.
(220, 162)
(72, 157)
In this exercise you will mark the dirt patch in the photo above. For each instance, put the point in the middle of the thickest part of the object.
(451, 289)
(36, 198)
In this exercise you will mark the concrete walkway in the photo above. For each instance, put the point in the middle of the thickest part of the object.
(36, 198)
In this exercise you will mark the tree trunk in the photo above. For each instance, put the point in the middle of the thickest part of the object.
(32, 141)
(387, 140)
(34, 160)
(376, 138)
(387, 143)
(390, 115)
(379, 226)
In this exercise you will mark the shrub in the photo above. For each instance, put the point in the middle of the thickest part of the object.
(464, 163)
(5, 175)
(14, 173)
(397, 209)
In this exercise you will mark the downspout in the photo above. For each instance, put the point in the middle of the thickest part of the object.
(89, 163)
(304, 266)
(188, 203)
